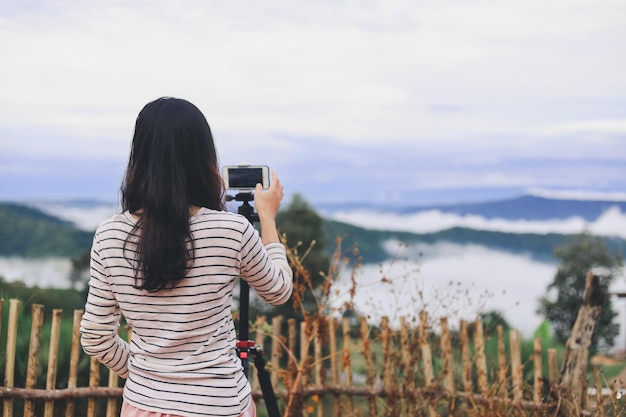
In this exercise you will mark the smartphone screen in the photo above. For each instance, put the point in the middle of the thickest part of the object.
(246, 177)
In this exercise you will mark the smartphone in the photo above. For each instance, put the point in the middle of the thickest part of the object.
(246, 177)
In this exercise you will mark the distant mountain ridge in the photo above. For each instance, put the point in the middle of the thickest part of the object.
(36, 230)
(526, 207)
(531, 207)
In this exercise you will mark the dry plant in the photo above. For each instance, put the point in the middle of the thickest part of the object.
(315, 320)
(413, 379)
(398, 289)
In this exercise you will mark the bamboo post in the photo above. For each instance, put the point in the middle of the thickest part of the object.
(292, 341)
(408, 365)
(537, 371)
(598, 384)
(33, 356)
(468, 385)
(481, 359)
(388, 382)
(424, 341)
(573, 375)
(112, 401)
(305, 367)
(277, 323)
(9, 365)
(447, 357)
(260, 338)
(346, 360)
(583, 395)
(304, 354)
(292, 378)
(517, 369)
(94, 381)
(113, 382)
(503, 388)
(427, 357)
(317, 355)
(370, 372)
(53, 359)
(553, 366)
(334, 368)
(615, 385)
(74, 357)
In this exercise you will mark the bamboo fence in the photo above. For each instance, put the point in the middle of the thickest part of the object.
(330, 367)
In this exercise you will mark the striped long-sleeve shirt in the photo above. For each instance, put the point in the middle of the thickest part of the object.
(182, 358)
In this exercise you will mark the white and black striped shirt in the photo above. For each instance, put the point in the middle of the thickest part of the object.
(181, 359)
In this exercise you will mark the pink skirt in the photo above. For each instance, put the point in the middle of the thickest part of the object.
(132, 411)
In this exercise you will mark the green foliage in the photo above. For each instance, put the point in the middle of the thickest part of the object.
(544, 332)
(51, 298)
(302, 226)
(581, 254)
(303, 229)
(28, 232)
(79, 276)
(370, 242)
(491, 320)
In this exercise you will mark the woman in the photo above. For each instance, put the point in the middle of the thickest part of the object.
(168, 264)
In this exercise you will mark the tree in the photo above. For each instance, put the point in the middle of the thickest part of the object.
(79, 275)
(491, 320)
(303, 229)
(579, 255)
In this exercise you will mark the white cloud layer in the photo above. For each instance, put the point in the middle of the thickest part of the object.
(611, 223)
(453, 281)
(313, 69)
(44, 272)
(457, 282)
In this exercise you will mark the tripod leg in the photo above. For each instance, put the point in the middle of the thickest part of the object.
(244, 301)
(266, 384)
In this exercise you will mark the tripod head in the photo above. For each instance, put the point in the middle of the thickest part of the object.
(245, 209)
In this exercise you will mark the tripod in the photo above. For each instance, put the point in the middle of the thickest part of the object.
(245, 347)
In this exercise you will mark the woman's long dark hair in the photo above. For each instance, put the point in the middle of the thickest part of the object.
(172, 166)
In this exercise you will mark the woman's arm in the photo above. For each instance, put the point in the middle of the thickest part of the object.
(100, 322)
(264, 261)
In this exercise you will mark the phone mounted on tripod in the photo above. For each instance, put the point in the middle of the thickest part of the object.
(246, 347)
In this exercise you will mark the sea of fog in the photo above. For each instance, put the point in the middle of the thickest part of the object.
(462, 281)
(447, 280)
(44, 272)
(611, 223)
(455, 281)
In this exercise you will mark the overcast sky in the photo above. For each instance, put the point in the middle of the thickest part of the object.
(385, 101)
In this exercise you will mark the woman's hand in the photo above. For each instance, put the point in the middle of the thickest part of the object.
(267, 204)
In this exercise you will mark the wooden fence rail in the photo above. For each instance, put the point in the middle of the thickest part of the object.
(328, 367)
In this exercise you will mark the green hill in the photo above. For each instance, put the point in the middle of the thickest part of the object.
(29, 233)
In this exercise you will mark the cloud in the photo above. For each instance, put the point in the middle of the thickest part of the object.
(611, 223)
(578, 195)
(466, 94)
(299, 67)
